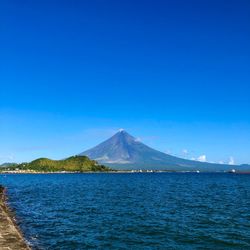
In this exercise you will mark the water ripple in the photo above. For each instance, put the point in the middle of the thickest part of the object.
(132, 211)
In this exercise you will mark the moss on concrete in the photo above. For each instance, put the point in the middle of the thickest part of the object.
(10, 236)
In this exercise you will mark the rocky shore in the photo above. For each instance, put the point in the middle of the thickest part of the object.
(10, 236)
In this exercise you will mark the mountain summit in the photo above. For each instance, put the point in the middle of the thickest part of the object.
(120, 148)
(123, 151)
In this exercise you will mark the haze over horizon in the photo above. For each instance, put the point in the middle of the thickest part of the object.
(172, 73)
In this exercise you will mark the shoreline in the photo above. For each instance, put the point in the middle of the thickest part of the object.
(11, 237)
(122, 172)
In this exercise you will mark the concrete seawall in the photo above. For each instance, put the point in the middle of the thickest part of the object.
(10, 236)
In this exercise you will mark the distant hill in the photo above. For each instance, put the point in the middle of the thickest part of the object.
(123, 152)
(74, 163)
(8, 164)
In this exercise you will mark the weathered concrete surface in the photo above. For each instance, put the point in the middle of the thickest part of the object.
(10, 236)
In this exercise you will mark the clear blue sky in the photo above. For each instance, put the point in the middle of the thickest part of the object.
(174, 73)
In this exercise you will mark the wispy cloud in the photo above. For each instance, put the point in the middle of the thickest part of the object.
(185, 151)
(168, 151)
(202, 158)
(231, 161)
(138, 139)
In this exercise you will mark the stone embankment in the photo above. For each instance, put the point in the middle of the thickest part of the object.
(10, 236)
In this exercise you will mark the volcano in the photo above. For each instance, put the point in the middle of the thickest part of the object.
(124, 152)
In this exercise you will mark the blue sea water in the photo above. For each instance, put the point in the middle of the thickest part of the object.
(132, 211)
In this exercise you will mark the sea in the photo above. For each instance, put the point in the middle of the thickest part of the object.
(131, 210)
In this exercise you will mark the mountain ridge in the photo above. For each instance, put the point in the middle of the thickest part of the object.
(124, 152)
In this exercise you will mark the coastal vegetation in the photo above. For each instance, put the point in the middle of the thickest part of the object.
(71, 164)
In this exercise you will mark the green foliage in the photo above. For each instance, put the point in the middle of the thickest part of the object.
(72, 164)
(8, 164)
